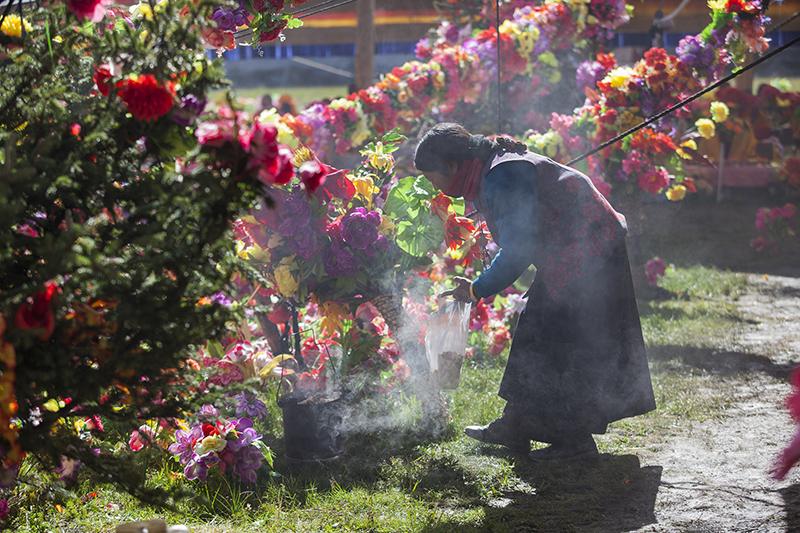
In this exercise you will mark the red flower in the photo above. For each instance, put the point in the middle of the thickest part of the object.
(37, 314)
(337, 185)
(279, 315)
(313, 174)
(101, 76)
(272, 34)
(441, 205)
(655, 56)
(457, 230)
(607, 61)
(147, 98)
(209, 429)
(93, 10)
(654, 181)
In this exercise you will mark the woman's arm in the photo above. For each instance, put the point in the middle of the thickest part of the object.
(510, 199)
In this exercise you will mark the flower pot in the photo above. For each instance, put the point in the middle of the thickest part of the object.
(311, 428)
(448, 375)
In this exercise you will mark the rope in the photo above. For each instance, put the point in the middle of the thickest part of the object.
(499, 66)
(324, 9)
(685, 101)
(304, 9)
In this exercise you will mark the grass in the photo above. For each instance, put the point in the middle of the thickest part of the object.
(403, 482)
(251, 97)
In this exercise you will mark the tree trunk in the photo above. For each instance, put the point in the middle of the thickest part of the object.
(365, 43)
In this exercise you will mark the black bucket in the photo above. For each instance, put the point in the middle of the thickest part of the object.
(311, 428)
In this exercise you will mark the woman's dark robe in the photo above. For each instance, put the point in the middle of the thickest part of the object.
(577, 361)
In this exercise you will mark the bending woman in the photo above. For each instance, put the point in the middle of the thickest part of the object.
(577, 360)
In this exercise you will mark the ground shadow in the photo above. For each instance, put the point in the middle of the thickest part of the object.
(791, 506)
(608, 494)
(721, 362)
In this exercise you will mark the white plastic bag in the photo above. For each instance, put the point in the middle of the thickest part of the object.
(446, 342)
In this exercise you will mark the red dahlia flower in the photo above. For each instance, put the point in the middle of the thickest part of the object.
(37, 314)
(147, 98)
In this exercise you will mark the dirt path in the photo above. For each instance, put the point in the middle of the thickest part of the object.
(715, 477)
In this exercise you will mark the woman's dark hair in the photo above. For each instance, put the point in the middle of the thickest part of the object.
(448, 141)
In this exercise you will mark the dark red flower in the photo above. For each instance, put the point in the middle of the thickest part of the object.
(36, 313)
(313, 174)
(147, 98)
(279, 314)
(209, 429)
(273, 33)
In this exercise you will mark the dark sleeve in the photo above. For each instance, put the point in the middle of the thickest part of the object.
(508, 197)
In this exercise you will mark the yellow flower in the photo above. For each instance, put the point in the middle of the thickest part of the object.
(212, 443)
(619, 77)
(365, 188)
(719, 112)
(509, 27)
(549, 59)
(690, 144)
(387, 226)
(717, 5)
(706, 128)
(142, 9)
(333, 315)
(12, 26)
(287, 283)
(676, 193)
(439, 80)
(378, 158)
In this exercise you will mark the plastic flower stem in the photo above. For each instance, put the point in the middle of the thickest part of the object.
(688, 100)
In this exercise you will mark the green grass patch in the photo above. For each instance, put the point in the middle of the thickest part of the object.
(399, 479)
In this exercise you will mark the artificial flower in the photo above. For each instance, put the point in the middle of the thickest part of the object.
(706, 128)
(719, 112)
(676, 193)
(286, 281)
(92, 10)
(36, 313)
(146, 98)
(365, 188)
(13, 25)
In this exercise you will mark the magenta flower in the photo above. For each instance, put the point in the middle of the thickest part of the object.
(654, 269)
(360, 228)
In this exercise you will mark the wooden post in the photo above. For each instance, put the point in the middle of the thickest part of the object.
(365, 43)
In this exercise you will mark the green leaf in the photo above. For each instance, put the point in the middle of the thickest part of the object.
(419, 237)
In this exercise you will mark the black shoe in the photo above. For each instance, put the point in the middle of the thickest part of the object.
(583, 449)
(498, 433)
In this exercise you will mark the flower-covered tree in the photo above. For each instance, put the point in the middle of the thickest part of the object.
(116, 226)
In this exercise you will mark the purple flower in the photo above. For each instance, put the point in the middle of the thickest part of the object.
(189, 109)
(4, 510)
(248, 461)
(339, 260)
(229, 19)
(694, 53)
(248, 405)
(222, 299)
(208, 412)
(305, 242)
(183, 447)
(360, 228)
(588, 74)
(295, 213)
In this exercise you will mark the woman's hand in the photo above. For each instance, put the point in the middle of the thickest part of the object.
(462, 292)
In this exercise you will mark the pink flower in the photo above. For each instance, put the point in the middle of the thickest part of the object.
(215, 134)
(761, 218)
(787, 211)
(219, 39)
(140, 438)
(787, 458)
(654, 269)
(93, 10)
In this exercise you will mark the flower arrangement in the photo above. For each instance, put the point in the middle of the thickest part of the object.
(619, 97)
(775, 225)
(231, 446)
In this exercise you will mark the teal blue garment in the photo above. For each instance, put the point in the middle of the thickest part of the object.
(508, 200)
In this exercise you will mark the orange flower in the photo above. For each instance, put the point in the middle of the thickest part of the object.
(441, 205)
(458, 230)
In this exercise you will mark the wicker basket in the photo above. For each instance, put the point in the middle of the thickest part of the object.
(391, 308)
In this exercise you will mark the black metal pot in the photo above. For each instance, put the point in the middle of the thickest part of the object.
(311, 428)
